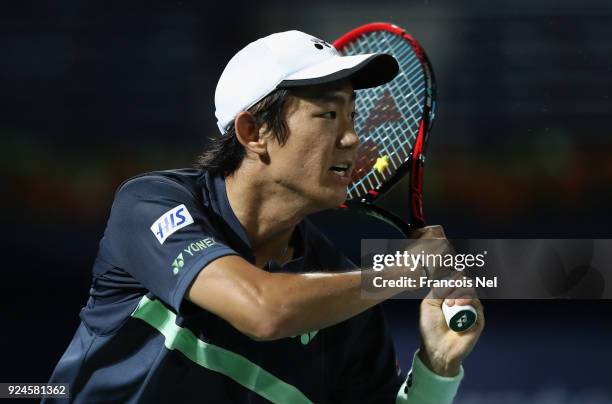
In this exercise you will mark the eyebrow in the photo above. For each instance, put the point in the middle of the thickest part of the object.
(334, 97)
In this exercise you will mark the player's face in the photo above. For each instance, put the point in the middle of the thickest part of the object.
(317, 159)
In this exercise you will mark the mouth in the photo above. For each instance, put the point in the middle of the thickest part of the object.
(342, 170)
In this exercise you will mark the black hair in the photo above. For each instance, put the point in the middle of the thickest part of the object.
(225, 153)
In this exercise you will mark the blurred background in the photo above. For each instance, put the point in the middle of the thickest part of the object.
(95, 92)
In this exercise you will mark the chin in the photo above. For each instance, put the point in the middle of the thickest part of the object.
(332, 199)
(340, 198)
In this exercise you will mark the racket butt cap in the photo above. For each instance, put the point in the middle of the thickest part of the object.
(459, 318)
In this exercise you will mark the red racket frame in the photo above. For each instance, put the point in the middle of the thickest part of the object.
(417, 158)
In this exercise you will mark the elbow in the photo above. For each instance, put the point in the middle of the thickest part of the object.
(270, 325)
(267, 314)
(267, 330)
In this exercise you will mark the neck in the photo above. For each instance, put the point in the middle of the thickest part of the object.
(267, 212)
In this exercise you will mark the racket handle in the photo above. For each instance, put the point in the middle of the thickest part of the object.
(459, 318)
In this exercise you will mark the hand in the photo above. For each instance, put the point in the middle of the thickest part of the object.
(443, 350)
(428, 232)
(433, 242)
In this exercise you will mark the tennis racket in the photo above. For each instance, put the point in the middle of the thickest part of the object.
(394, 123)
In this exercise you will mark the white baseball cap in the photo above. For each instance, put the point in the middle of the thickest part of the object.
(291, 59)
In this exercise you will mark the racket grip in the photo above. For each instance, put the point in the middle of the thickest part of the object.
(459, 318)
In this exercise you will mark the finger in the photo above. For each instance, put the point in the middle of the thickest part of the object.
(476, 304)
(464, 301)
(453, 292)
(428, 232)
(480, 320)
(461, 300)
(462, 293)
(432, 300)
(438, 231)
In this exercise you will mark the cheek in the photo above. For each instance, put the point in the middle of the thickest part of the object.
(306, 153)
(302, 155)
(301, 163)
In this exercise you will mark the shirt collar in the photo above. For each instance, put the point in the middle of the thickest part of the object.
(217, 194)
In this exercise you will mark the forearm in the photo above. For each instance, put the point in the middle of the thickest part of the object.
(269, 306)
(306, 302)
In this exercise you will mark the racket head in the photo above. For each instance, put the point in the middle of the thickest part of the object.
(393, 120)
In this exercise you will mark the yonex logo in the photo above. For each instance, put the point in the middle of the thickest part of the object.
(461, 321)
(171, 221)
(178, 263)
(307, 337)
(320, 44)
(191, 249)
(199, 245)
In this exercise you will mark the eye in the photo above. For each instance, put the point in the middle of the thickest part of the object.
(329, 115)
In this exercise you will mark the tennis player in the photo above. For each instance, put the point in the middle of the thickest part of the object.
(210, 284)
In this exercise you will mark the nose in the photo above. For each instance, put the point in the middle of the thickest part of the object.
(349, 138)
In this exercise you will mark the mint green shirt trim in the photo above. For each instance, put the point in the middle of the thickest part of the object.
(427, 387)
(215, 358)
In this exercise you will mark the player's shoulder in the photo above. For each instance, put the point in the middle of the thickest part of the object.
(183, 180)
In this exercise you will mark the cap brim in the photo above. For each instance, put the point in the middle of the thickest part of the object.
(364, 71)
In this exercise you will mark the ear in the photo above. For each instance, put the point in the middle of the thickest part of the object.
(249, 134)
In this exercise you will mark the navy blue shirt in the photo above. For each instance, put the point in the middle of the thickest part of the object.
(140, 341)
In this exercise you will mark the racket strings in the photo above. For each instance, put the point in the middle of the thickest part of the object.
(393, 111)
(397, 153)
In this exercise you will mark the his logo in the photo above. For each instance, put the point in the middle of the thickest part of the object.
(171, 221)
(178, 263)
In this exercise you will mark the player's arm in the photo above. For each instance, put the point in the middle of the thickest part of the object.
(267, 306)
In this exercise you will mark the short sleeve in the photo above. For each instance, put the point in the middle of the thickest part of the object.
(162, 235)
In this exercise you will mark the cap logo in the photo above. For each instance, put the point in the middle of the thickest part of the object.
(319, 43)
